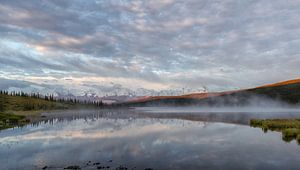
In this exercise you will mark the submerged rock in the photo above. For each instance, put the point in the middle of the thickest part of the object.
(73, 167)
(121, 168)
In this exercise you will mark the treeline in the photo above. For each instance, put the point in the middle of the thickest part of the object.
(31, 95)
(50, 98)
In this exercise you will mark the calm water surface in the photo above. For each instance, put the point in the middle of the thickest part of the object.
(132, 139)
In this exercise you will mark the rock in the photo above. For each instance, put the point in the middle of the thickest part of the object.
(121, 168)
(45, 167)
(73, 167)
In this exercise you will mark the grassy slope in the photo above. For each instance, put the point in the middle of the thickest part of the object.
(282, 83)
(288, 92)
(18, 103)
(17, 110)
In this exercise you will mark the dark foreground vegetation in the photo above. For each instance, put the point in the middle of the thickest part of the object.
(17, 108)
(290, 128)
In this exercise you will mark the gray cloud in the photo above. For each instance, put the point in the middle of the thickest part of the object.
(219, 44)
(6, 84)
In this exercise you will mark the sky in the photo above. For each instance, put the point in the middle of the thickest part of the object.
(143, 47)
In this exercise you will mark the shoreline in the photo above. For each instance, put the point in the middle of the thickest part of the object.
(11, 119)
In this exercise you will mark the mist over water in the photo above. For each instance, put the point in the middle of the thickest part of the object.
(243, 103)
(223, 109)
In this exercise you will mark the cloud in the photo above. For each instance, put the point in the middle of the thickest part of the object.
(220, 44)
(6, 84)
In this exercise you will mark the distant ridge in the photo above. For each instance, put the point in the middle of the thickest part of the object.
(287, 91)
(281, 83)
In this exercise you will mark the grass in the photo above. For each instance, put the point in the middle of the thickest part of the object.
(19, 103)
(11, 120)
(290, 128)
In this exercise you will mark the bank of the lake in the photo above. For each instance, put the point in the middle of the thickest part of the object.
(290, 128)
(19, 109)
(11, 120)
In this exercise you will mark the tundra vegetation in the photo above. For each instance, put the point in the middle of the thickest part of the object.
(290, 128)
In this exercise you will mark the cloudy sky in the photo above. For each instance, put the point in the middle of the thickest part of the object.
(103, 45)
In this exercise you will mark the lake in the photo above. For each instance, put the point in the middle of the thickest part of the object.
(149, 138)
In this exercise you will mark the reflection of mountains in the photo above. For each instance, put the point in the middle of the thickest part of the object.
(235, 118)
(131, 115)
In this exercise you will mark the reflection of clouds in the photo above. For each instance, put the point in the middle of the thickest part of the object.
(155, 143)
(82, 130)
(102, 128)
(109, 128)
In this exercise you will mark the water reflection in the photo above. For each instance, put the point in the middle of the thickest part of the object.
(234, 116)
(132, 140)
(226, 115)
